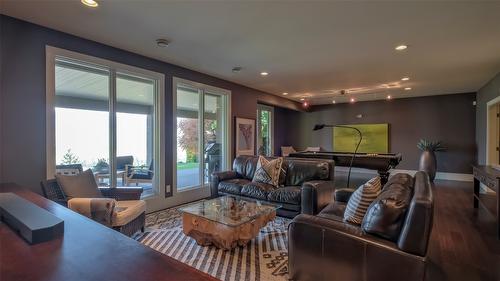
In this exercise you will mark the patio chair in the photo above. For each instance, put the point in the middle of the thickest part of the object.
(123, 161)
(138, 174)
(69, 169)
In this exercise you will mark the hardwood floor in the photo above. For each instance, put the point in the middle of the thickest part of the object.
(463, 243)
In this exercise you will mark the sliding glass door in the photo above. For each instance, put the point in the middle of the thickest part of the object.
(105, 117)
(265, 123)
(202, 136)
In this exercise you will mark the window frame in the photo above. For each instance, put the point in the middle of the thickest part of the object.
(202, 89)
(52, 54)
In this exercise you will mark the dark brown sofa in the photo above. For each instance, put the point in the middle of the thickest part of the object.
(307, 188)
(391, 243)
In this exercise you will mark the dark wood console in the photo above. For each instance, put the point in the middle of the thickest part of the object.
(490, 178)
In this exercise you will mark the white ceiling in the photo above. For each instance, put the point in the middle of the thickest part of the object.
(310, 49)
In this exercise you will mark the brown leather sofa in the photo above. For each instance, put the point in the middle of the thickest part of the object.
(307, 188)
(390, 244)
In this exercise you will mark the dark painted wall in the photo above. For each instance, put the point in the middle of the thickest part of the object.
(448, 118)
(22, 89)
(487, 93)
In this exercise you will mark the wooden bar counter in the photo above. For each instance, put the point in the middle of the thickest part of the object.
(87, 251)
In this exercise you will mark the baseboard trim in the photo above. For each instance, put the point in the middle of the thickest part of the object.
(439, 175)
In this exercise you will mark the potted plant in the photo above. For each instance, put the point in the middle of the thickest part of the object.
(428, 162)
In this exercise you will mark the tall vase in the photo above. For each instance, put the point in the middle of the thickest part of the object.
(428, 164)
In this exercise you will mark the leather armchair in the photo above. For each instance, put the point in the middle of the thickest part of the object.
(324, 247)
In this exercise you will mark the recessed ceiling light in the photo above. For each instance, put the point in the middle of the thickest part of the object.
(405, 78)
(401, 47)
(162, 42)
(302, 98)
(389, 97)
(352, 100)
(90, 3)
(285, 94)
(407, 88)
(334, 102)
(264, 73)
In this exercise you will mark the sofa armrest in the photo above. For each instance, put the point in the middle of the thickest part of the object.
(343, 194)
(321, 248)
(217, 177)
(122, 193)
(315, 195)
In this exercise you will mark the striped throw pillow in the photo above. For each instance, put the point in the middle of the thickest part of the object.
(361, 199)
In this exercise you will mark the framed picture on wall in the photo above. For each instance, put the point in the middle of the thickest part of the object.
(245, 136)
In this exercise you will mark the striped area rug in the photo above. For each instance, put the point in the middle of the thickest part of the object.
(264, 258)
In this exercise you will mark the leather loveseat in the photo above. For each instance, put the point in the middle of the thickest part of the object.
(307, 188)
(390, 244)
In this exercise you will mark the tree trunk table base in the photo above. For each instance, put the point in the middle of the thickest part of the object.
(207, 232)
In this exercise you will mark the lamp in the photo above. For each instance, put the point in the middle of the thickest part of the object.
(321, 126)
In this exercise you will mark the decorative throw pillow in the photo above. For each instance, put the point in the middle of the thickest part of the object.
(268, 171)
(82, 185)
(361, 199)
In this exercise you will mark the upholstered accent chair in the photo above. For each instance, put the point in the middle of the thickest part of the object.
(130, 212)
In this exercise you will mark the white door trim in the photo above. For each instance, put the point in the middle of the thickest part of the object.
(488, 105)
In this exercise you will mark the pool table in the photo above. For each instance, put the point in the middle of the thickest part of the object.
(381, 162)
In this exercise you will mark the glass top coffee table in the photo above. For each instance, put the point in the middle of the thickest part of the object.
(226, 221)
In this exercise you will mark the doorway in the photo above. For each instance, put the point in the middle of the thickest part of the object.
(265, 128)
(493, 132)
(201, 138)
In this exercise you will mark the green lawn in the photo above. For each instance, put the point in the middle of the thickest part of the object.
(184, 166)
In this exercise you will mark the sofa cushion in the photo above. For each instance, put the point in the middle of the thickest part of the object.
(299, 171)
(82, 185)
(287, 194)
(386, 214)
(361, 199)
(268, 171)
(257, 190)
(232, 186)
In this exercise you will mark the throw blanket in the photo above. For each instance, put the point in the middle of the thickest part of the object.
(98, 209)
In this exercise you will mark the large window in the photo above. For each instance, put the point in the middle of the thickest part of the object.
(105, 118)
(202, 128)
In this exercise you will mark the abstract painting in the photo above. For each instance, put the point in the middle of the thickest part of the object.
(245, 136)
(375, 138)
